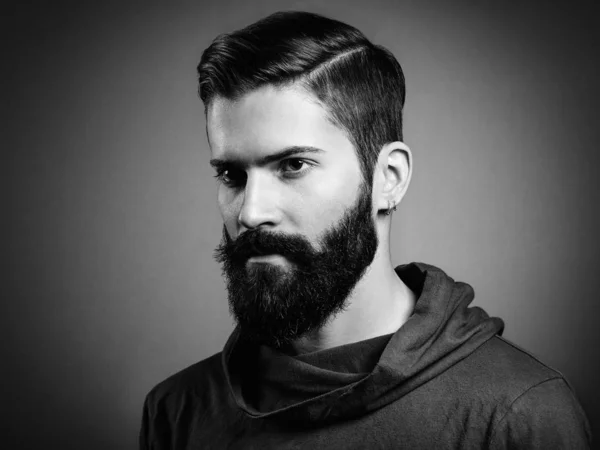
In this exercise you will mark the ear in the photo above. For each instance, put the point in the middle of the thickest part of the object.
(393, 174)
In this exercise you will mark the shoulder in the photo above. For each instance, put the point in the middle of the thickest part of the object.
(181, 402)
(194, 382)
(513, 364)
(510, 372)
(537, 408)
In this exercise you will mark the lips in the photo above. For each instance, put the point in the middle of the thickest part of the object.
(258, 251)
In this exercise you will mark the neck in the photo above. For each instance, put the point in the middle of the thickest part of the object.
(379, 304)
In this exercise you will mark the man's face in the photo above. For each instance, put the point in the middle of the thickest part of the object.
(298, 227)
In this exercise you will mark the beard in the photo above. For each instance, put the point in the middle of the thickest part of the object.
(276, 304)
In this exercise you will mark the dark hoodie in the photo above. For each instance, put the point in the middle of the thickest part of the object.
(445, 379)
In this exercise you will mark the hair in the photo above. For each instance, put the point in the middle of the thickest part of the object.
(359, 84)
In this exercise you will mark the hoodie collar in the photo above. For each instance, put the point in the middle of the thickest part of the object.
(320, 388)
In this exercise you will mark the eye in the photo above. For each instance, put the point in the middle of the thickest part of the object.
(293, 164)
(231, 177)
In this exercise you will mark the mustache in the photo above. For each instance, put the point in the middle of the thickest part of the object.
(258, 242)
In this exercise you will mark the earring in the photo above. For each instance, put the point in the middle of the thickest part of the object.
(390, 210)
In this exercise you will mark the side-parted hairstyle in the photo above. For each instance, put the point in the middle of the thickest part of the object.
(360, 85)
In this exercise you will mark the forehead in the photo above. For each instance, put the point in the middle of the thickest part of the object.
(269, 119)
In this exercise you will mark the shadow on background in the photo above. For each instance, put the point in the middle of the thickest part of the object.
(112, 217)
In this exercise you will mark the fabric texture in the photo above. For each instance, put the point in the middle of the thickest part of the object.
(445, 379)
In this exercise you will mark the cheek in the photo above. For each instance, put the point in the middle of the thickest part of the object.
(330, 198)
(337, 191)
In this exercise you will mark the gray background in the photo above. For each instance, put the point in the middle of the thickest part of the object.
(112, 218)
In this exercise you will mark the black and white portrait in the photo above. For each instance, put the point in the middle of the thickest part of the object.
(297, 224)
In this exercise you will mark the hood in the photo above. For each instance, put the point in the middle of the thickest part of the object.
(331, 386)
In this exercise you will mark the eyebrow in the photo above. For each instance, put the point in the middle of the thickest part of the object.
(283, 153)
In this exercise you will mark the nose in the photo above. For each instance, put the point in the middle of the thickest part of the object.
(259, 206)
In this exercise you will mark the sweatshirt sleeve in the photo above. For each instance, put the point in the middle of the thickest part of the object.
(154, 430)
(546, 416)
(144, 428)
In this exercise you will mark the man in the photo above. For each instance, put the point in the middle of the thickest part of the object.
(334, 347)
